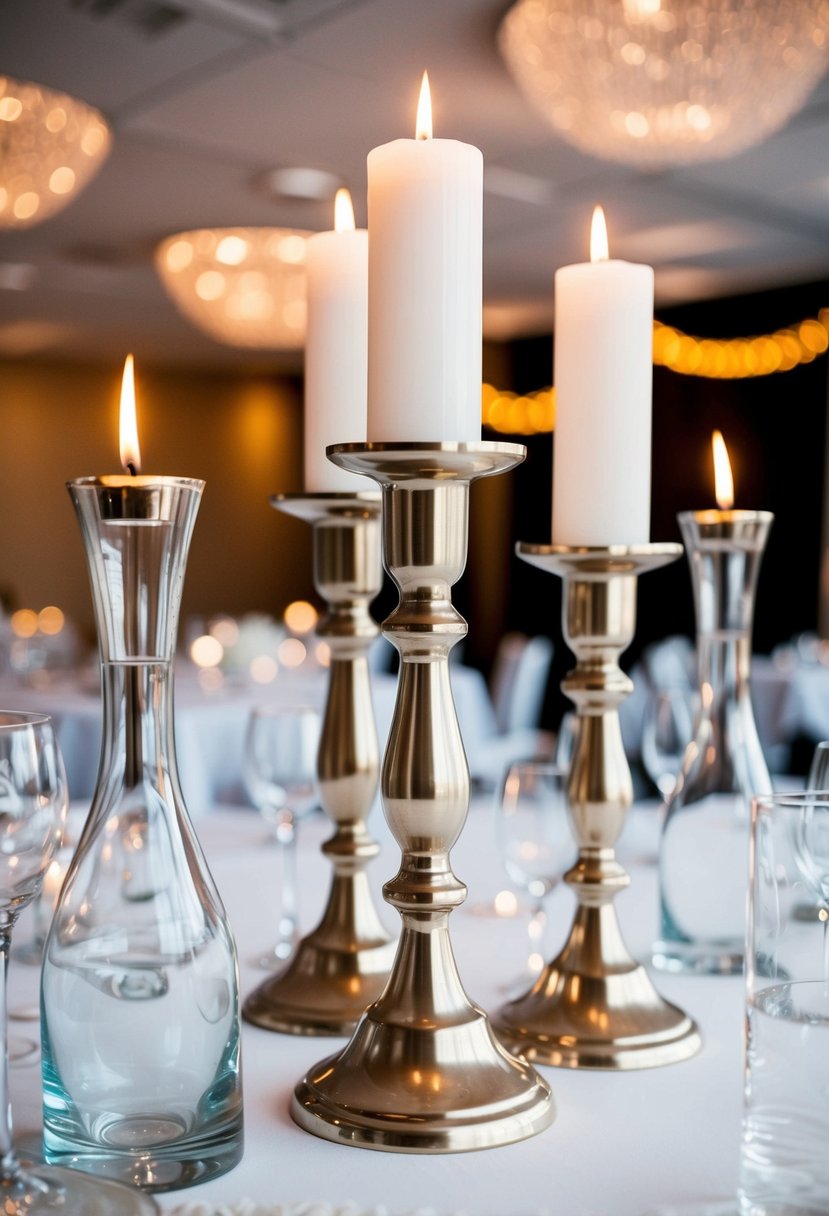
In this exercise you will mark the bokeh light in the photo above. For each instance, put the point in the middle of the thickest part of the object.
(206, 651)
(24, 623)
(50, 620)
(301, 617)
(291, 652)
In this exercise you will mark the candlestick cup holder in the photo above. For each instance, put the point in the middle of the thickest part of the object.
(340, 967)
(594, 1006)
(140, 993)
(423, 1072)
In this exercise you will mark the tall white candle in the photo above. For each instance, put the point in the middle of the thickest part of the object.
(336, 360)
(603, 378)
(425, 205)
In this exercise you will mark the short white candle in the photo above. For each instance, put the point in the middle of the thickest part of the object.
(425, 207)
(336, 359)
(603, 379)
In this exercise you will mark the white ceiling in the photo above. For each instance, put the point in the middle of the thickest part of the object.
(206, 95)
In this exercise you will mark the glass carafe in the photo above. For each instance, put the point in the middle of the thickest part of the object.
(140, 993)
(703, 863)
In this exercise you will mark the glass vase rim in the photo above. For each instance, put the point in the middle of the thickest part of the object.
(539, 763)
(790, 800)
(22, 718)
(726, 515)
(137, 481)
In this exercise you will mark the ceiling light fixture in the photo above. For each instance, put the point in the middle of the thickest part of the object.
(243, 286)
(664, 82)
(51, 145)
(301, 183)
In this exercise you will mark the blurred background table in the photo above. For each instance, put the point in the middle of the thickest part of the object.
(210, 724)
(621, 1144)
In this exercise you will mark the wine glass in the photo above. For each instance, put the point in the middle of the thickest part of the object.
(33, 806)
(811, 843)
(667, 729)
(280, 773)
(535, 841)
(566, 740)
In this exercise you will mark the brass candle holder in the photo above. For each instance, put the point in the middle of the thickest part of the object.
(341, 966)
(594, 1006)
(423, 1071)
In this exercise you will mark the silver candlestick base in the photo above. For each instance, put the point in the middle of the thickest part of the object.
(594, 1006)
(423, 1072)
(341, 966)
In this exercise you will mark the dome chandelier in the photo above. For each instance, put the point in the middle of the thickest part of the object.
(51, 145)
(243, 286)
(666, 82)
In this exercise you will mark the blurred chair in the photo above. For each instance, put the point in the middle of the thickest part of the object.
(519, 683)
(671, 663)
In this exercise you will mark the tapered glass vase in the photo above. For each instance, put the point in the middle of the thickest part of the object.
(703, 866)
(140, 993)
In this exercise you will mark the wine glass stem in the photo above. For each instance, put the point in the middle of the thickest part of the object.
(286, 838)
(535, 928)
(9, 1165)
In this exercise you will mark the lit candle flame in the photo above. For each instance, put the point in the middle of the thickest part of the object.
(599, 251)
(130, 451)
(343, 212)
(723, 480)
(423, 128)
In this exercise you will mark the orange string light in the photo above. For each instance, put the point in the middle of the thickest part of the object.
(713, 358)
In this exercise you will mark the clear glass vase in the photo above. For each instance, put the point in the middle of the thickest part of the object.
(140, 992)
(703, 859)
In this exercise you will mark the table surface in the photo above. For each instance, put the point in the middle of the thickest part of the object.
(622, 1144)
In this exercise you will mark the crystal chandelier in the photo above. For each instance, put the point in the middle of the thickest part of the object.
(663, 82)
(51, 145)
(243, 286)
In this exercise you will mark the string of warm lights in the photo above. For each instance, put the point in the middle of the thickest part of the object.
(513, 414)
(713, 358)
(741, 358)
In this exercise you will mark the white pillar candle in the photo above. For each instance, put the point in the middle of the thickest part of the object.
(603, 379)
(425, 205)
(336, 360)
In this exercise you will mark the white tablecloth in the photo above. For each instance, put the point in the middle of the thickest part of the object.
(210, 726)
(622, 1144)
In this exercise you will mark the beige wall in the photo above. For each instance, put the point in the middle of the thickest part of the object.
(241, 434)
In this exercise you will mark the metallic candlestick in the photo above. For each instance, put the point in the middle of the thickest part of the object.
(340, 967)
(593, 1006)
(423, 1071)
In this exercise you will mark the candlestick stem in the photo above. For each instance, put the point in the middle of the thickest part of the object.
(341, 966)
(594, 1006)
(423, 1071)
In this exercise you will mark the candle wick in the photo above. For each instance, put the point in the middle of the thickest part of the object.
(133, 472)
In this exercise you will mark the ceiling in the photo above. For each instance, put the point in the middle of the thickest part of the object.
(205, 96)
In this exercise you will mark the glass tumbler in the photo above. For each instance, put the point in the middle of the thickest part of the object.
(784, 1163)
(140, 991)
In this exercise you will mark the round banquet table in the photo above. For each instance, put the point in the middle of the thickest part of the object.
(623, 1144)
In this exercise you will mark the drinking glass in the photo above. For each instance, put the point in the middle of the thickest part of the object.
(784, 1166)
(280, 773)
(667, 729)
(818, 778)
(565, 740)
(33, 805)
(535, 840)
